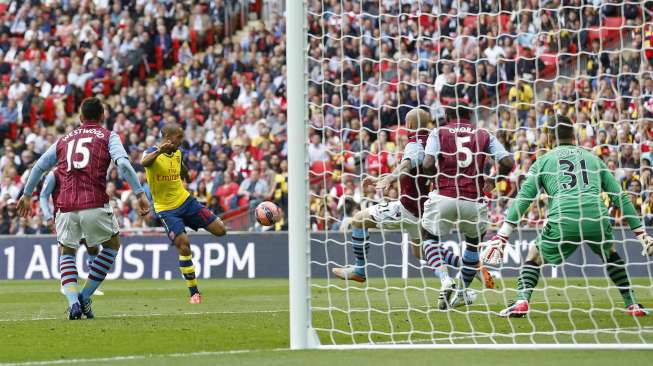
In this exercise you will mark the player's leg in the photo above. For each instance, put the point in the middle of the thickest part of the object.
(69, 277)
(98, 226)
(187, 268)
(529, 276)
(68, 235)
(91, 252)
(616, 269)
(174, 223)
(362, 220)
(550, 248)
(196, 216)
(439, 215)
(217, 227)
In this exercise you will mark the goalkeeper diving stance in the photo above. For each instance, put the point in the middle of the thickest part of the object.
(573, 178)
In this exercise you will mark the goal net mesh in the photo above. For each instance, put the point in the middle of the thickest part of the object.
(518, 62)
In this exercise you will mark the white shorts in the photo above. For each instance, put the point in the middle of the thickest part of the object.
(442, 213)
(96, 225)
(393, 215)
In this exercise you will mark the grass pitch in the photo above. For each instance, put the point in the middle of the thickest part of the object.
(245, 322)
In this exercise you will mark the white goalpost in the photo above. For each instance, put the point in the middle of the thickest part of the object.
(354, 69)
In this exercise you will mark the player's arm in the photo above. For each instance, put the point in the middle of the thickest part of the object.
(412, 158)
(492, 252)
(431, 152)
(150, 156)
(120, 157)
(44, 197)
(503, 158)
(620, 199)
(183, 172)
(44, 164)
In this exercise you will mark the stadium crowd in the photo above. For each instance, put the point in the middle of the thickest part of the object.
(151, 62)
(519, 62)
(369, 63)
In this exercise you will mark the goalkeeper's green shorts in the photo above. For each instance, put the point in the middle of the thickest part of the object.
(557, 241)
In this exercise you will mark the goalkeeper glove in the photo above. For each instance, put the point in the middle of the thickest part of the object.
(645, 240)
(492, 252)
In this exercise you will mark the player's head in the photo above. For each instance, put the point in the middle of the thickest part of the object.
(91, 110)
(458, 111)
(560, 130)
(417, 118)
(173, 133)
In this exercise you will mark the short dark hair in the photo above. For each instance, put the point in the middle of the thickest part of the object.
(92, 109)
(457, 111)
(561, 126)
(170, 128)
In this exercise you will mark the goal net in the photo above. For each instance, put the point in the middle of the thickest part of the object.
(518, 63)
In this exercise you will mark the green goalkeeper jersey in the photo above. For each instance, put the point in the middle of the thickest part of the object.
(573, 178)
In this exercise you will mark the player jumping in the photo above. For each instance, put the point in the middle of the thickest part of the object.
(573, 179)
(403, 213)
(50, 189)
(82, 158)
(173, 204)
(455, 155)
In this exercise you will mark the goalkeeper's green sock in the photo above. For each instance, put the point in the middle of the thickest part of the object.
(528, 278)
(617, 272)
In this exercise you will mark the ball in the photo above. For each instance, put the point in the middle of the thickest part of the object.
(267, 213)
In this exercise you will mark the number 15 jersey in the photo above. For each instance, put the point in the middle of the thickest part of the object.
(460, 151)
(83, 157)
(573, 178)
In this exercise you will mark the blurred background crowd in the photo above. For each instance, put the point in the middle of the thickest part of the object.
(218, 68)
(519, 62)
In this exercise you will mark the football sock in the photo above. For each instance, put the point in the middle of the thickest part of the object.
(361, 248)
(68, 270)
(188, 271)
(470, 264)
(450, 258)
(617, 272)
(433, 251)
(528, 278)
(101, 265)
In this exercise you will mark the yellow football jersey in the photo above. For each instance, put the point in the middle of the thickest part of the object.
(164, 179)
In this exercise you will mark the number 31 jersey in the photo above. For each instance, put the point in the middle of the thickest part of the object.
(83, 158)
(573, 178)
(460, 151)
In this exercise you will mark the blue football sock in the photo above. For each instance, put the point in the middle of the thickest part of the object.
(102, 265)
(470, 264)
(360, 248)
(68, 270)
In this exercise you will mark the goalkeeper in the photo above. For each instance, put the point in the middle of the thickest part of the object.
(573, 179)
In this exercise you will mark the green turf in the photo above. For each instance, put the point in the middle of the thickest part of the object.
(150, 318)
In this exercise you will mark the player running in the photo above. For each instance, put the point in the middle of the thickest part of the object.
(173, 204)
(401, 214)
(573, 179)
(455, 155)
(82, 158)
(50, 189)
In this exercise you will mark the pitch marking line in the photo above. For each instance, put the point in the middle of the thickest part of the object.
(154, 315)
(141, 357)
